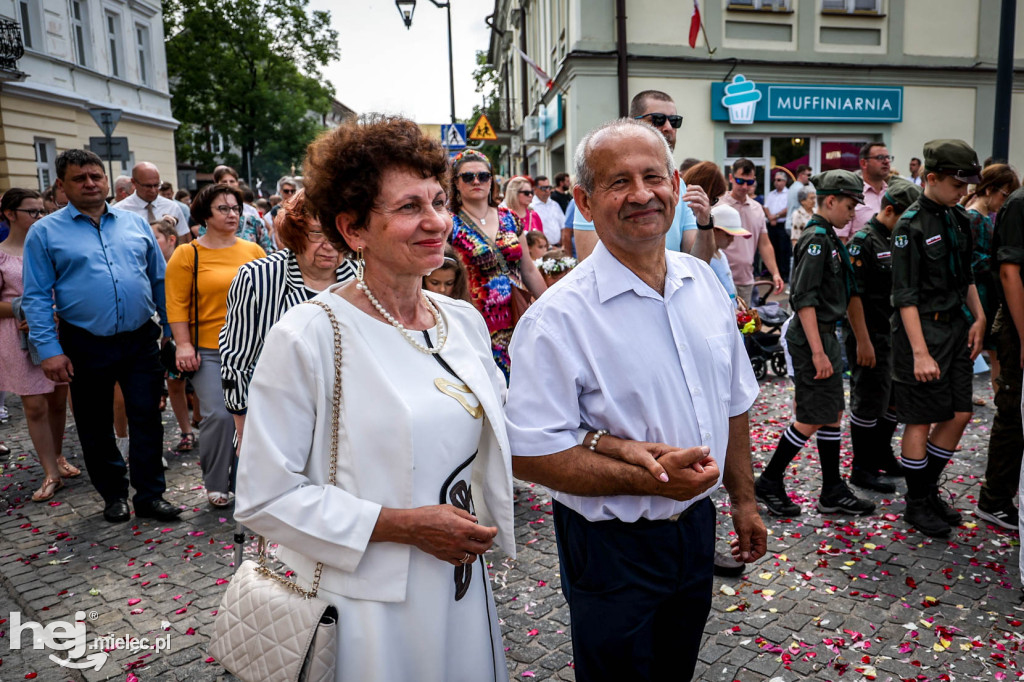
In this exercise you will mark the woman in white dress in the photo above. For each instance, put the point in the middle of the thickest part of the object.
(424, 483)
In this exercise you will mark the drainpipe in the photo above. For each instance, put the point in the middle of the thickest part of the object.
(1004, 82)
(523, 83)
(620, 43)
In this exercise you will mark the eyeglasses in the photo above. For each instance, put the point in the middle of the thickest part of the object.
(658, 120)
(546, 188)
(482, 176)
(318, 237)
(526, 192)
(224, 209)
(745, 181)
(882, 157)
(34, 212)
(287, 191)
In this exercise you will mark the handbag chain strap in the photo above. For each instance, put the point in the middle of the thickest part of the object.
(262, 568)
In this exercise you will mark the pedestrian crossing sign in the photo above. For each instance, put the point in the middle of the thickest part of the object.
(483, 130)
(453, 136)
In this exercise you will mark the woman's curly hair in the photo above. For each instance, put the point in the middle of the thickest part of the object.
(345, 167)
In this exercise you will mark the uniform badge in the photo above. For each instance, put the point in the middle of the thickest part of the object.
(900, 241)
(884, 254)
(814, 249)
(933, 240)
(854, 249)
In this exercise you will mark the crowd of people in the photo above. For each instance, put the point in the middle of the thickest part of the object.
(582, 336)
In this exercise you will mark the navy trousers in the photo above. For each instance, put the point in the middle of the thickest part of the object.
(132, 360)
(639, 593)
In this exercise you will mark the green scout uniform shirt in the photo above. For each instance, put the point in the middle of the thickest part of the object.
(931, 258)
(822, 274)
(1008, 240)
(871, 257)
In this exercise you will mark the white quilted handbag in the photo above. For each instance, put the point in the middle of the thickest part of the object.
(268, 629)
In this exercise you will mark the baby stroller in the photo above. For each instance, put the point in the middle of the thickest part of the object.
(764, 345)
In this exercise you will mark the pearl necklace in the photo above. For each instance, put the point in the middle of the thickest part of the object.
(442, 328)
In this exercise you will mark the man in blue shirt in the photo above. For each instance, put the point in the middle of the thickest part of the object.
(101, 271)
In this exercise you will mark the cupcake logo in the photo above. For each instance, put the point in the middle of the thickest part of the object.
(741, 98)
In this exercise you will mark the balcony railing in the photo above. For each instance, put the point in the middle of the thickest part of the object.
(11, 46)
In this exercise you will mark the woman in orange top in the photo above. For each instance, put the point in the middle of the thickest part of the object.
(219, 253)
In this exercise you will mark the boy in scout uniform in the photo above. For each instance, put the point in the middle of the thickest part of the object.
(820, 293)
(934, 344)
(869, 343)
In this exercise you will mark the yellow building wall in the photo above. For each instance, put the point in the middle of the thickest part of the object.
(22, 120)
(931, 113)
(942, 28)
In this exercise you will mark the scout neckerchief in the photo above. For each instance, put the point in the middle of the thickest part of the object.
(953, 235)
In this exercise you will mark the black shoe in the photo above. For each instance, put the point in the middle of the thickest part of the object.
(921, 514)
(944, 510)
(117, 511)
(862, 478)
(1007, 517)
(158, 509)
(839, 498)
(727, 567)
(773, 495)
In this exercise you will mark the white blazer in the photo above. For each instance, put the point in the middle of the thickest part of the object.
(282, 490)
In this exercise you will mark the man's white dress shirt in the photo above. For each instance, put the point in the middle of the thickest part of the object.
(603, 350)
(552, 217)
(161, 206)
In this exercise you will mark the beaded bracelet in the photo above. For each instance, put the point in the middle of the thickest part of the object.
(597, 437)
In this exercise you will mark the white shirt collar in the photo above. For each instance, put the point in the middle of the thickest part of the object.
(613, 278)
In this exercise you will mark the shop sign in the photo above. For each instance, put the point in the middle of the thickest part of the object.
(550, 118)
(743, 101)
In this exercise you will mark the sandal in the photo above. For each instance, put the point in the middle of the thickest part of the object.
(187, 442)
(48, 489)
(67, 469)
(220, 499)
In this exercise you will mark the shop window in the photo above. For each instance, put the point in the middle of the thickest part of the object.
(851, 6)
(736, 147)
(761, 5)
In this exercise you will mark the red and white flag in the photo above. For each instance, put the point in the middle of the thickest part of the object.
(694, 24)
(545, 80)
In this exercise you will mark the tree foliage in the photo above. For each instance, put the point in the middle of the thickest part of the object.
(487, 86)
(249, 71)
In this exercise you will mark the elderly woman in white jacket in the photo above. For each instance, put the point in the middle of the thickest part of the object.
(424, 481)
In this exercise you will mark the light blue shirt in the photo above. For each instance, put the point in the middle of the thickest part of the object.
(107, 279)
(720, 265)
(666, 368)
(570, 215)
(684, 220)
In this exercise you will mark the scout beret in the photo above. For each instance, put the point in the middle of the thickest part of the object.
(839, 182)
(902, 193)
(952, 157)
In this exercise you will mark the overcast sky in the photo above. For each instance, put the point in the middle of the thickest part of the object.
(385, 67)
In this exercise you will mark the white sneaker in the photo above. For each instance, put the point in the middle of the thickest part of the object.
(4, 414)
(122, 445)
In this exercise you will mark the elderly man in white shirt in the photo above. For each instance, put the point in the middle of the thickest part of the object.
(552, 216)
(646, 419)
(147, 202)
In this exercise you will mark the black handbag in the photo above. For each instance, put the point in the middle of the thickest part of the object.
(168, 354)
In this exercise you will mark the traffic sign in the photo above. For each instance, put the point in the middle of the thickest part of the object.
(117, 151)
(453, 136)
(483, 130)
(106, 119)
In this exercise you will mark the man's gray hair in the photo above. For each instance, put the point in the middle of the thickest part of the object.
(581, 159)
(123, 183)
(804, 192)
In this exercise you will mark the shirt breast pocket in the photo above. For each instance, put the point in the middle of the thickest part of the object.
(720, 346)
(936, 252)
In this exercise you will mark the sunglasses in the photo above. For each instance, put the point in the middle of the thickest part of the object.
(287, 191)
(526, 192)
(882, 158)
(545, 188)
(658, 120)
(745, 181)
(482, 176)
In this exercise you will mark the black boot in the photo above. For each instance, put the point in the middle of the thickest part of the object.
(922, 515)
(943, 509)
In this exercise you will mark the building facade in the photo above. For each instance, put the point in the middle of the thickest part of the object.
(780, 82)
(78, 55)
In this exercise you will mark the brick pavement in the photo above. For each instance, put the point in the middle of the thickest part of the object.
(835, 599)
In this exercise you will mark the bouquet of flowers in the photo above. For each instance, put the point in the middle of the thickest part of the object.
(747, 318)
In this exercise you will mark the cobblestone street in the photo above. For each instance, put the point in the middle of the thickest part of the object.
(836, 598)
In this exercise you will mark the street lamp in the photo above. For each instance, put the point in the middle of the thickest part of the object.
(406, 9)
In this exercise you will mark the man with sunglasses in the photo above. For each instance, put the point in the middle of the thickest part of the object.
(107, 333)
(659, 110)
(147, 203)
(875, 167)
(741, 252)
(552, 217)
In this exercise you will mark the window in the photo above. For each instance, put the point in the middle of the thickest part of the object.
(851, 6)
(142, 48)
(80, 32)
(114, 44)
(45, 154)
(28, 15)
(761, 5)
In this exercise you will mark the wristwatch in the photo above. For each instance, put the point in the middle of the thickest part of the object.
(709, 226)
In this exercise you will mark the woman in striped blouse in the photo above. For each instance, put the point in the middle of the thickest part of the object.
(264, 289)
